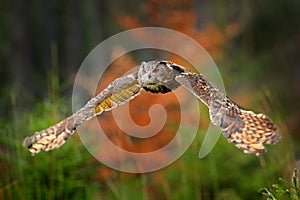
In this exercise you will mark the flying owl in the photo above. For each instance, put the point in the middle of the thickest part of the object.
(246, 129)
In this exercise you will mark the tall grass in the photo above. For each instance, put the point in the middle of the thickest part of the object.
(71, 172)
(285, 189)
(62, 174)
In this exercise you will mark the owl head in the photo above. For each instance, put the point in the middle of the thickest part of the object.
(155, 72)
(157, 76)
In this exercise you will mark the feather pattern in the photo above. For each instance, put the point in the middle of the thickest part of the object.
(117, 93)
(247, 130)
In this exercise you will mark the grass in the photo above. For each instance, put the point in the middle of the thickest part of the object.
(284, 189)
(54, 175)
(72, 173)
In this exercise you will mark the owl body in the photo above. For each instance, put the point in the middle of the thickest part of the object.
(246, 129)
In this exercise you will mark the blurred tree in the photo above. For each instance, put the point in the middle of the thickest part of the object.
(28, 32)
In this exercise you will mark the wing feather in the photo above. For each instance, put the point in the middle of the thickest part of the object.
(246, 129)
(118, 92)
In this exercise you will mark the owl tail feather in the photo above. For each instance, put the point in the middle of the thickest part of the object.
(52, 137)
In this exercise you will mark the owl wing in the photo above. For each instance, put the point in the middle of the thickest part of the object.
(118, 92)
(246, 129)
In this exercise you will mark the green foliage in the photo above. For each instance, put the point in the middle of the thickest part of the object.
(62, 174)
(284, 189)
(226, 173)
(71, 172)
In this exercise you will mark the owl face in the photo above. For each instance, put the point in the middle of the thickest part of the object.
(155, 73)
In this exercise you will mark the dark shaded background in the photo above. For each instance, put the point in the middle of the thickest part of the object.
(256, 45)
(32, 31)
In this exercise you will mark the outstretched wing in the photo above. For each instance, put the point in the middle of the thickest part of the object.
(118, 92)
(246, 129)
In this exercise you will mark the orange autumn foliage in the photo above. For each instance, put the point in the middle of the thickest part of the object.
(179, 15)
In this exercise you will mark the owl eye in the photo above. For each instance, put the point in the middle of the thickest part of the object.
(155, 70)
(143, 69)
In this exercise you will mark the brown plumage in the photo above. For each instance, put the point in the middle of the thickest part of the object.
(118, 92)
(247, 130)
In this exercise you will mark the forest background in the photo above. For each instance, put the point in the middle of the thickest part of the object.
(255, 44)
